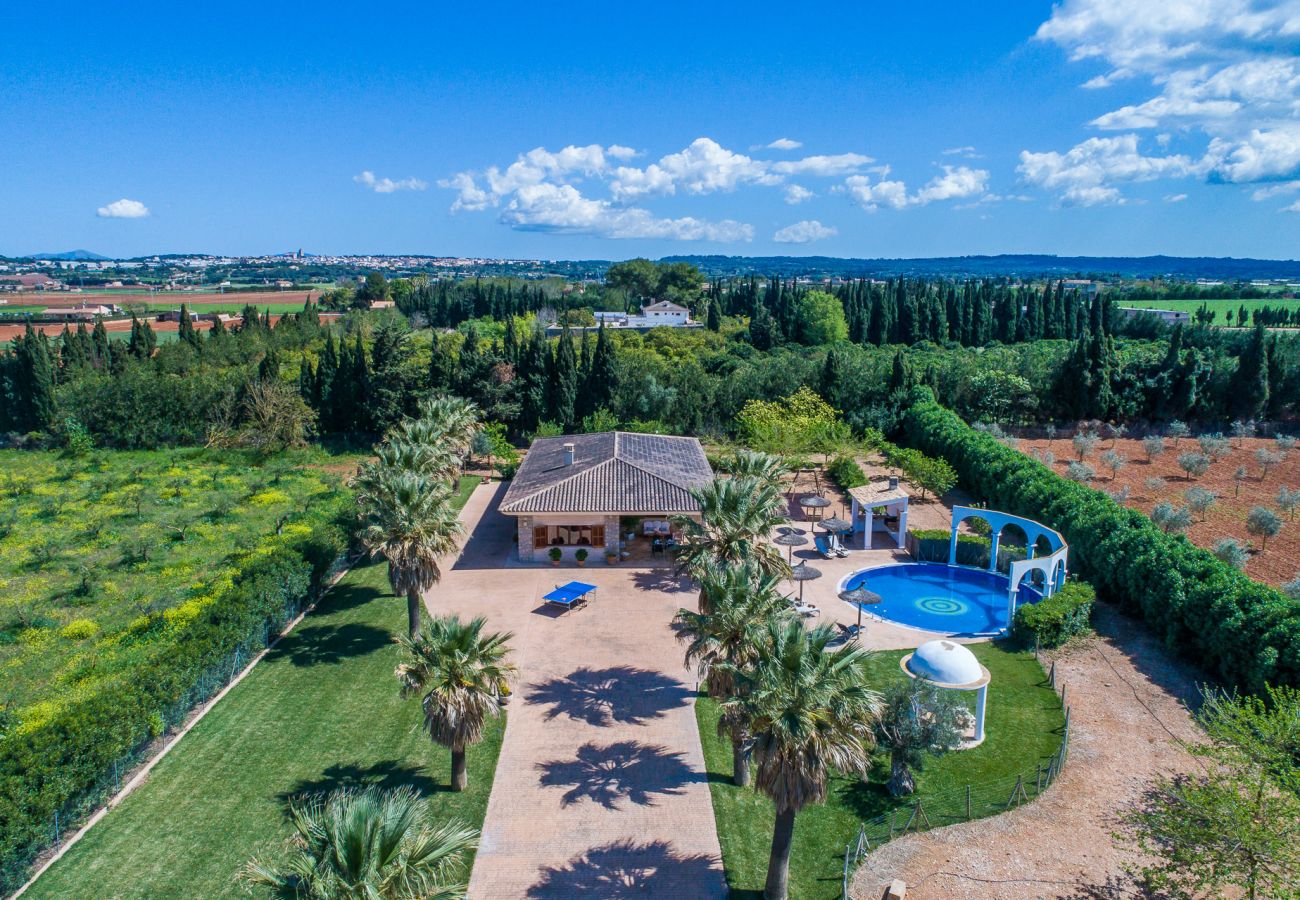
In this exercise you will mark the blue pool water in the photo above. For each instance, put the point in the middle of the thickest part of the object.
(949, 599)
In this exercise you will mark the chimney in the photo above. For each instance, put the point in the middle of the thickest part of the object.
(568, 454)
(893, 482)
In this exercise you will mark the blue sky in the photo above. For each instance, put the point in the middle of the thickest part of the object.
(1121, 127)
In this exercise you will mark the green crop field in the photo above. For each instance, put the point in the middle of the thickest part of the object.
(1220, 308)
(91, 545)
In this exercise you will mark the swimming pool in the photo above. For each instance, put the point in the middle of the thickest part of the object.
(951, 600)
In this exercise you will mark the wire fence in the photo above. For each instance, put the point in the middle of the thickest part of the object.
(973, 801)
(210, 682)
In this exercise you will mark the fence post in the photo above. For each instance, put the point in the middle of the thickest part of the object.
(1039, 779)
(1051, 676)
(845, 888)
(58, 838)
(892, 812)
(967, 802)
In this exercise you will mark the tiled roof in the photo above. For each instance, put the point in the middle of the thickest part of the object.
(612, 472)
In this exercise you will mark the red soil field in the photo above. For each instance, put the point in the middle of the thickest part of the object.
(1277, 564)
(9, 332)
(175, 298)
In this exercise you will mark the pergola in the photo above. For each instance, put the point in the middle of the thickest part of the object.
(868, 498)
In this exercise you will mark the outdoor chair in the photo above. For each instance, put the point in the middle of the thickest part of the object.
(836, 547)
(822, 543)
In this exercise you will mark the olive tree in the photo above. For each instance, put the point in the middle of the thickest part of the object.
(1263, 523)
(1267, 459)
(1194, 464)
(1154, 446)
(1199, 500)
(1171, 519)
(1084, 443)
(1231, 551)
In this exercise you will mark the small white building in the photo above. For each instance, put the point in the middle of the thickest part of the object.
(1170, 316)
(662, 314)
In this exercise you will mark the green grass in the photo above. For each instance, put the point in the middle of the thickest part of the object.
(321, 711)
(103, 539)
(1023, 725)
(1219, 307)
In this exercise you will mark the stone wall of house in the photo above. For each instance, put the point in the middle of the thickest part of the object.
(611, 535)
(525, 526)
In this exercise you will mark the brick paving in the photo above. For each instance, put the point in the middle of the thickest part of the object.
(600, 789)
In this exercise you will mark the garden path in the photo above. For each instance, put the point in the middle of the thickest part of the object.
(601, 788)
(1127, 695)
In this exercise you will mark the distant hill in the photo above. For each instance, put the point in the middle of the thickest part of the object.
(77, 255)
(1226, 268)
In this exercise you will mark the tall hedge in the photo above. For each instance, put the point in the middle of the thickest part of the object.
(66, 764)
(1244, 632)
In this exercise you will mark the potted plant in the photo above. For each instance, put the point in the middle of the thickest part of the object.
(503, 695)
(555, 553)
(611, 557)
(581, 556)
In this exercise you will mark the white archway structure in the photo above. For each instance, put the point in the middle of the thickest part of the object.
(952, 666)
(1051, 566)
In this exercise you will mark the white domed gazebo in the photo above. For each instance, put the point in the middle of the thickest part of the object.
(952, 666)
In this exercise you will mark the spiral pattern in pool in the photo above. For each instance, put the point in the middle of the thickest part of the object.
(947, 599)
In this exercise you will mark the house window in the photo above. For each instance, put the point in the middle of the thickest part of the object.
(569, 535)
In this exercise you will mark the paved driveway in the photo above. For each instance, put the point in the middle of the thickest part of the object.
(600, 789)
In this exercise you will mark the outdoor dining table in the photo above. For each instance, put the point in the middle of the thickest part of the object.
(570, 595)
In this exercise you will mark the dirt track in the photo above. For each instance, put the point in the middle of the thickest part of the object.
(1127, 698)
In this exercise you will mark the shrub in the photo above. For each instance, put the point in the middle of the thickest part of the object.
(1245, 633)
(931, 545)
(79, 630)
(1054, 620)
(846, 472)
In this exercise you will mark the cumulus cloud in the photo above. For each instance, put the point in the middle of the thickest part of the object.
(1085, 175)
(956, 183)
(388, 185)
(784, 144)
(123, 209)
(1228, 70)
(562, 208)
(804, 232)
(796, 194)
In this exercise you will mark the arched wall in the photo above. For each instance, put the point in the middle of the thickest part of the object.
(1052, 566)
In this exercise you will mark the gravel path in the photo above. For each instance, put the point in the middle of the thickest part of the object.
(1127, 694)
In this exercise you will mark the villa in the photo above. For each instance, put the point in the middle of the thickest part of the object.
(571, 491)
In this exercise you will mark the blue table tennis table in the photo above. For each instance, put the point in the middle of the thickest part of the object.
(570, 595)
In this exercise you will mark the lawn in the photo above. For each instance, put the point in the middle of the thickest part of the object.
(1225, 311)
(1024, 721)
(321, 711)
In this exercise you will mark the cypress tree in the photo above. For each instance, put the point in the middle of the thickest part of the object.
(185, 330)
(602, 374)
(901, 377)
(1248, 387)
(99, 340)
(34, 381)
(564, 383)
(714, 322)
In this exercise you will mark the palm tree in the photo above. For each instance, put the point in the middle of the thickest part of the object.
(741, 601)
(766, 467)
(398, 453)
(736, 516)
(411, 522)
(368, 845)
(462, 673)
(454, 418)
(809, 711)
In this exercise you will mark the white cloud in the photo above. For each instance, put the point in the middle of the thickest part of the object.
(388, 185)
(1085, 174)
(963, 152)
(618, 151)
(1226, 69)
(796, 194)
(824, 166)
(1275, 190)
(784, 144)
(123, 209)
(561, 208)
(804, 232)
(955, 183)
(873, 196)
(706, 166)
(1294, 207)
(1175, 198)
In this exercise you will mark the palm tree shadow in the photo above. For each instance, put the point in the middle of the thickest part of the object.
(662, 578)
(625, 770)
(602, 697)
(331, 644)
(385, 774)
(346, 595)
(627, 869)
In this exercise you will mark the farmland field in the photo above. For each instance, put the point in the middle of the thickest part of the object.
(1219, 307)
(1276, 563)
(91, 545)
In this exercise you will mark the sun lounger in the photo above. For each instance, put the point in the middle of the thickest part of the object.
(836, 547)
(822, 543)
(807, 610)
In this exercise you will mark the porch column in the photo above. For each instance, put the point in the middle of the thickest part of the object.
(525, 531)
(869, 521)
(993, 550)
(902, 527)
(611, 535)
